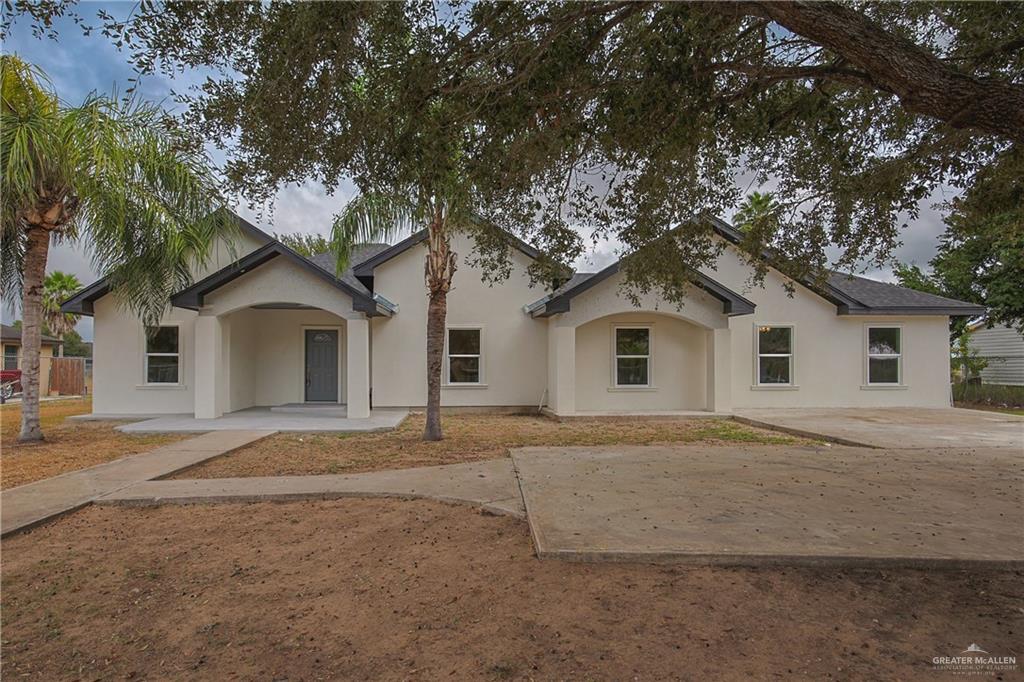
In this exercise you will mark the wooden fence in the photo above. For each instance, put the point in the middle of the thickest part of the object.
(67, 376)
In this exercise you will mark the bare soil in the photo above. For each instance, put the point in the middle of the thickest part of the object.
(68, 446)
(468, 438)
(390, 589)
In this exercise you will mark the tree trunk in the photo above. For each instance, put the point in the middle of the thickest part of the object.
(437, 310)
(440, 268)
(36, 249)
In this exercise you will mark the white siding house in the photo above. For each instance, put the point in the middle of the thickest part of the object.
(1003, 347)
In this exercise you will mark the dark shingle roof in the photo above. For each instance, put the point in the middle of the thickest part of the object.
(877, 295)
(360, 253)
(11, 333)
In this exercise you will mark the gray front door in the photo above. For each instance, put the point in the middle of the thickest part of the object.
(322, 365)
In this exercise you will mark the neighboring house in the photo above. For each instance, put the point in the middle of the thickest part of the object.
(10, 339)
(1003, 347)
(272, 327)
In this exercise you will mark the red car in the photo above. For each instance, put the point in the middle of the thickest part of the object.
(10, 383)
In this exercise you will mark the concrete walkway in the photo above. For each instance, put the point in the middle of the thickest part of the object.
(894, 427)
(753, 506)
(33, 503)
(490, 485)
(266, 418)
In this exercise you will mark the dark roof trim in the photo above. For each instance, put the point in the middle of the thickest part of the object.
(365, 269)
(958, 311)
(826, 291)
(192, 298)
(845, 303)
(81, 303)
(732, 303)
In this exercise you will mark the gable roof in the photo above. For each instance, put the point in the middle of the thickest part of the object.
(559, 300)
(82, 302)
(854, 295)
(11, 333)
(362, 300)
(366, 267)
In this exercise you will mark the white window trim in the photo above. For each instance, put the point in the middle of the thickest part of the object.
(482, 379)
(180, 383)
(868, 384)
(792, 384)
(615, 385)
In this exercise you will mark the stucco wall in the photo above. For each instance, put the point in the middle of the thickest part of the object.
(677, 366)
(119, 364)
(268, 355)
(830, 350)
(119, 351)
(514, 345)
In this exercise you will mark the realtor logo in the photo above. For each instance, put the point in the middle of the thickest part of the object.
(974, 662)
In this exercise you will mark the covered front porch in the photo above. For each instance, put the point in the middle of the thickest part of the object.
(273, 331)
(283, 357)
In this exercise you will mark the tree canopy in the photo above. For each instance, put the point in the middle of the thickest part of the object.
(620, 119)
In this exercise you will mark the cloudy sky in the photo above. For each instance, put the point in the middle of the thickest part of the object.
(79, 64)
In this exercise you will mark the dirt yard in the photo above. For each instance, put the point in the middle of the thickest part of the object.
(372, 589)
(68, 446)
(468, 438)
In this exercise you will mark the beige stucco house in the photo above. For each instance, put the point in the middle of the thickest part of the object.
(264, 326)
(49, 348)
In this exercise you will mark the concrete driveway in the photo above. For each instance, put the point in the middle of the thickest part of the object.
(814, 505)
(893, 427)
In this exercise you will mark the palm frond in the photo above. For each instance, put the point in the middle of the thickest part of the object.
(374, 217)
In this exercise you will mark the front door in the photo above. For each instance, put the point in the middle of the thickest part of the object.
(322, 365)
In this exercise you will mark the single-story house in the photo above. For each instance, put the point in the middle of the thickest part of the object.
(1003, 347)
(265, 326)
(10, 339)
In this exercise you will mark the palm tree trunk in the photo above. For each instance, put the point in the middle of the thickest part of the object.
(438, 273)
(36, 250)
(437, 310)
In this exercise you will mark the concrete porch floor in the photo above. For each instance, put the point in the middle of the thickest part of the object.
(265, 418)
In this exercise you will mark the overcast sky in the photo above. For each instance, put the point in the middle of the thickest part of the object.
(80, 64)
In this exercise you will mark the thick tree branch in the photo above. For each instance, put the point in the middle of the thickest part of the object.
(923, 83)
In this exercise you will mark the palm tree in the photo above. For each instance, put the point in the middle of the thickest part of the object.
(57, 288)
(758, 210)
(113, 176)
(375, 217)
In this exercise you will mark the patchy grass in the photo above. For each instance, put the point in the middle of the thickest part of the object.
(990, 408)
(468, 438)
(68, 445)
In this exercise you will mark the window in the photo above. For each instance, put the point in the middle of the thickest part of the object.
(464, 356)
(632, 356)
(775, 356)
(884, 355)
(163, 359)
(10, 357)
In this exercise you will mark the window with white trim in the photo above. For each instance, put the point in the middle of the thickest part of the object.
(885, 355)
(774, 356)
(163, 356)
(10, 357)
(632, 356)
(464, 356)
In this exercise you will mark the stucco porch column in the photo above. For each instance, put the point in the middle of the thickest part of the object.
(357, 367)
(719, 369)
(208, 366)
(562, 369)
